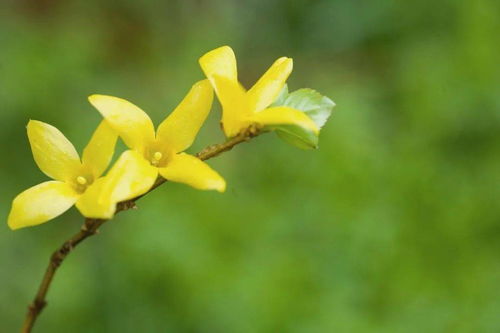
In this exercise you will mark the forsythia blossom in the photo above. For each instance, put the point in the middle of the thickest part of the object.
(296, 117)
(75, 180)
(161, 153)
(241, 108)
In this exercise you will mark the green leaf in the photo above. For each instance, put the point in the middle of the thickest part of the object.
(314, 105)
(298, 136)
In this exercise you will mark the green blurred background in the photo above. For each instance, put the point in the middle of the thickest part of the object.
(393, 225)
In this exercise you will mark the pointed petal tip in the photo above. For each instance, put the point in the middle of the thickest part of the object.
(284, 59)
(95, 97)
(13, 222)
(203, 85)
(12, 225)
(225, 49)
(220, 61)
(288, 62)
(217, 184)
(220, 186)
(33, 122)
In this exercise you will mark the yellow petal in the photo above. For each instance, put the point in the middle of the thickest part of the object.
(283, 115)
(40, 204)
(181, 126)
(233, 99)
(220, 62)
(100, 149)
(267, 89)
(90, 205)
(53, 153)
(219, 66)
(132, 124)
(130, 177)
(190, 170)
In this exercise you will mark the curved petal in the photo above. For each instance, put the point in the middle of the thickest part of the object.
(233, 99)
(40, 204)
(179, 130)
(90, 205)
(190, 170)
(100, 149)
(221, 62)
(132, 124)
(283, 115)
(268, 87)
(53, 153)
(130, 177)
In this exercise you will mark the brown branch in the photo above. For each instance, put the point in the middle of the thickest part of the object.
(91, 227)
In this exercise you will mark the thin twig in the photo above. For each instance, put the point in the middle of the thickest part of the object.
(91, 227)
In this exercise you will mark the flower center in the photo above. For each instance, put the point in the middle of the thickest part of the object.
(81, 180)
(157, 156)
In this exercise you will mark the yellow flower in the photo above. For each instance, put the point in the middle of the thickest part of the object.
(161, 153)
(75, 180)
(241, 108)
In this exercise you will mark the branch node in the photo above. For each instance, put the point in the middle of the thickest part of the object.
(126, 205)
(37, 305)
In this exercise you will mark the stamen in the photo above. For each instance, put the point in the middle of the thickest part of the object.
(81, 180)
(157, 156)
